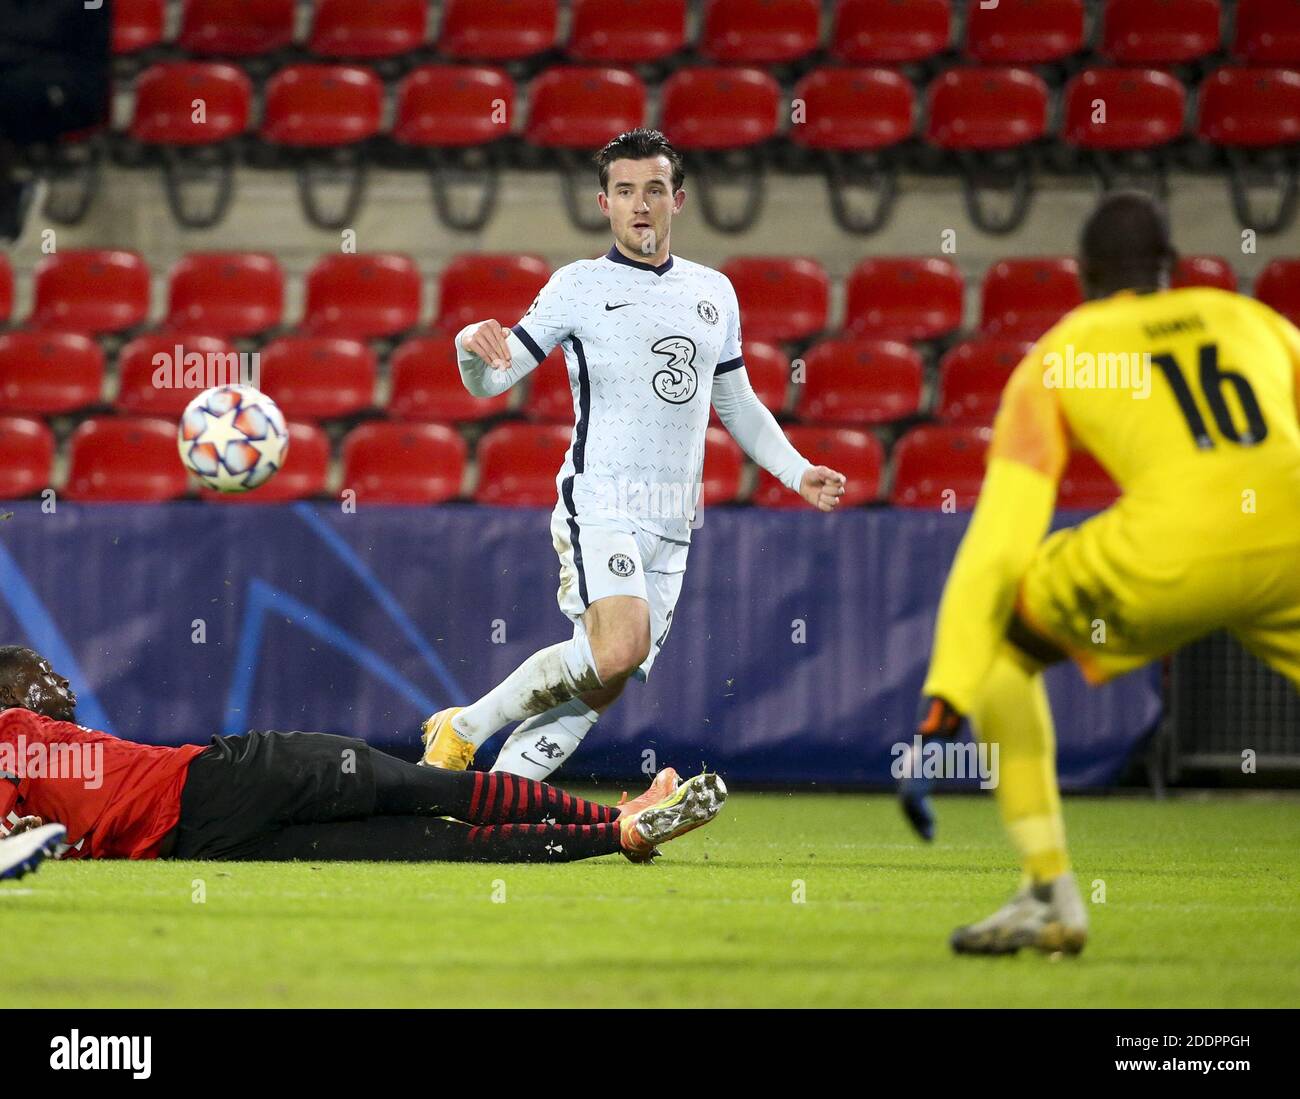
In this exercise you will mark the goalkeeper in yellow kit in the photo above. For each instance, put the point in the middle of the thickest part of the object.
(1189, 398)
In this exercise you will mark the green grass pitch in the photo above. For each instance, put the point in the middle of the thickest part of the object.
(1200, 910)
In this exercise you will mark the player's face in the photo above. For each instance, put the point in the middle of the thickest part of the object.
(640, 204)
(39, 688)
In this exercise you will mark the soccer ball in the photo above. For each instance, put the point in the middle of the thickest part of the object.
(233, 438)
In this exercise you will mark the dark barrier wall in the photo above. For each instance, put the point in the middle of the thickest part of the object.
(796, 652)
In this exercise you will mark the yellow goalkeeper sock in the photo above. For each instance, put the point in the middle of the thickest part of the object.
(1012, 711)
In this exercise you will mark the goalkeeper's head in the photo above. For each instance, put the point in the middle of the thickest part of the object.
(28, 682)
(1125, 245)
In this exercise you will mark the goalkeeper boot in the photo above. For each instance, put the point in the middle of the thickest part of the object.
(443, 746)
(23, 853)
(1048, 916)
(694, 803)
(664, 785)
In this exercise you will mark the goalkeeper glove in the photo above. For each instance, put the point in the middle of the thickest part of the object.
(938, 719)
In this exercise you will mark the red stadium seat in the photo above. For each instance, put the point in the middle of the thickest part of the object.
(1250, 108)
(49, 372)
(26, 455)
(322, 106)
(1024, 32)
(1085, 485)
(972, 376)
(137, 25)
(125, 459)
(760, 34)
(581, 108)
(139, 364)
(362, 296)
(427, 385)
(164, 103)
(6, 288)
(862, 382)
(857, 454)
(318, 377)
(1025, 297)
(904, 298)
(454, 106)
(1158, 32)
(1268, 32)
(550, 397)
(226, 293)
(986, 109)
(626, 32)
(236, 28)
(939, 467)
(1204, 271)
(1278, 287)
(854, 109)
(1144, 108)
(724, 462)
(487, 286)
(768, 370)
(704, 108)
(885, 32)
(376, 28)
(501, 31)
(91, 291)
(781, 297)
(517, 464)
(387, 463)
(305, 472)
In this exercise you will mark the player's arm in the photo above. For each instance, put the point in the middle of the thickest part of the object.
(492, 357)
(756, 429)
(1026, 458)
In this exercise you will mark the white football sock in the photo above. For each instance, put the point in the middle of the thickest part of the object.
(543, 681)
(542, 743)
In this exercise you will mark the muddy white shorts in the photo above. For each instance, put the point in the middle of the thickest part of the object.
(603, 556)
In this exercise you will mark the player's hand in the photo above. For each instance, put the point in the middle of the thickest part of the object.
(488, 342)
(939, 719)
(822, 487)
(25, 824)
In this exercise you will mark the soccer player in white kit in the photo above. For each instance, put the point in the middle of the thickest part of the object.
(649, 340)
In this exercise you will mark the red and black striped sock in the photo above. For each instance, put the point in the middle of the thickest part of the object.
(541, 842)
(478, 797)
(498, 797)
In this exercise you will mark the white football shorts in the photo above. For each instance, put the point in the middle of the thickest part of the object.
(603, 556)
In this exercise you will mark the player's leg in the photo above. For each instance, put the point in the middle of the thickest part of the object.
(478, 797)
(1271, 587)
(430, 839)
(635, 834)
(540, 745)
(602, 589)
(1047, 912)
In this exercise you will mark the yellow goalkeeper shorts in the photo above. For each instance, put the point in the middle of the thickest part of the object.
(1092, 595)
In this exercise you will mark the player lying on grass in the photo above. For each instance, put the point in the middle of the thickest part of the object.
(1192, 405)
(650, 340)
(281, 796)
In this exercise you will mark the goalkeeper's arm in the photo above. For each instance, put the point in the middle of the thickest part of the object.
(1027, 455)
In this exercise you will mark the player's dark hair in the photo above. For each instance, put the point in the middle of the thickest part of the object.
(640, 144)
(1126, 245)
(13, 658)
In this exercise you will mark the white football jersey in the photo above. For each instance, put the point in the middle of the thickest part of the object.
(642, 345)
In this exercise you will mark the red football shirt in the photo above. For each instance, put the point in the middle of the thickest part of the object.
(117, 799)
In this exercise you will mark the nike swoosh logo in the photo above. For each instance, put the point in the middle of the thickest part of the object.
(624, 305)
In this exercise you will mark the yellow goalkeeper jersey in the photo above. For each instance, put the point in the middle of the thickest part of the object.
(1188, 398)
